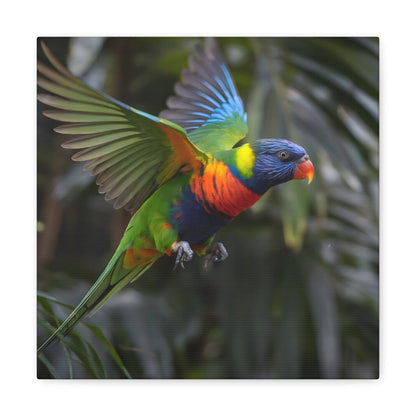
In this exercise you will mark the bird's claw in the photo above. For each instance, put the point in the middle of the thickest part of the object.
(216, 254)
(184, 253)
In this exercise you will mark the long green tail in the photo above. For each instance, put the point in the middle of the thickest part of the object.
(113, 279)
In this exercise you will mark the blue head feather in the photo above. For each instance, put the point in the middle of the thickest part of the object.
(272, 167)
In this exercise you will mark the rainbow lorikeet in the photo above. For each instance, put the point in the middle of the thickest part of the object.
(179, 174)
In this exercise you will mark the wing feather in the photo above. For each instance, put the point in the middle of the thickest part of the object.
(133, 153)
(73, 117)
(97, 139)
(207, 104)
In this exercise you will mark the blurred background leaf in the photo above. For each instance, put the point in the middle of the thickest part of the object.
(298, 296)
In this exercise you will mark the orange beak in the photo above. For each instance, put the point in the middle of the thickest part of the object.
(304, 170)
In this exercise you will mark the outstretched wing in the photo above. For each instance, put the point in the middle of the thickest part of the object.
(132, 152)
(207, 104)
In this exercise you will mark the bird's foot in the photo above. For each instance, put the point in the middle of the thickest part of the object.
(184, 251)
(216, 254)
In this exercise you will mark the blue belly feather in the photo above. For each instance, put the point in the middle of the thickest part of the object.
(195, 222)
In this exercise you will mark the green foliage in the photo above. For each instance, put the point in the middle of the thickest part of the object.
(75, 346)
(298, 296)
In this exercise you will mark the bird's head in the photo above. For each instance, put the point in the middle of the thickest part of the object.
(278, 161)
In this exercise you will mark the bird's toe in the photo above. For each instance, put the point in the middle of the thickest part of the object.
(184, 253)
(217, 253)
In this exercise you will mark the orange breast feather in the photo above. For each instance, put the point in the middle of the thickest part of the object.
(220, 189)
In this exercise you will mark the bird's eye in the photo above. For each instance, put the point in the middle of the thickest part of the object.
(282, 154)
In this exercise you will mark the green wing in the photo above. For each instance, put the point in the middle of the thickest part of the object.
(207, 104)
(131, 152)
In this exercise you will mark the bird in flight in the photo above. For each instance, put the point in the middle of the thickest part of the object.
(181, 174)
